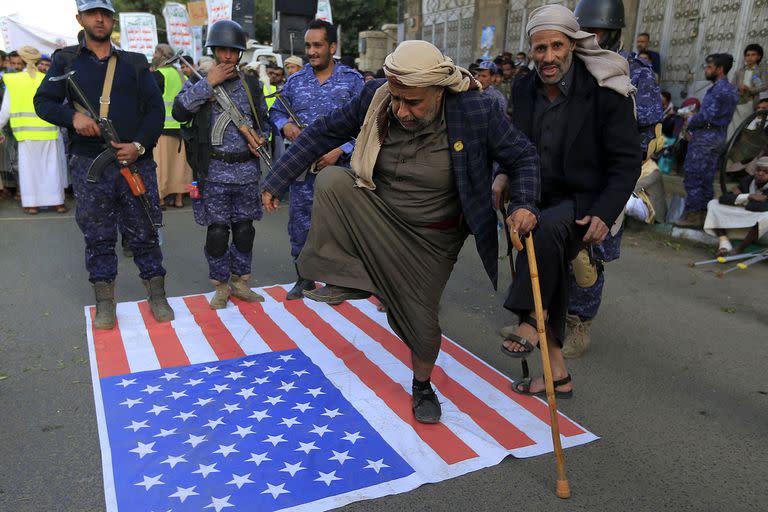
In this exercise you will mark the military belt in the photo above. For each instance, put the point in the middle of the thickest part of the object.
(231, 158)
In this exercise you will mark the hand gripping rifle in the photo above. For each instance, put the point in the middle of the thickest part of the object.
(230, 113)
(108, 133)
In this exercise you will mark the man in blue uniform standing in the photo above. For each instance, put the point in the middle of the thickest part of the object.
(226, 168)
(708, 130)
(320, 87)
(605, 19)
(137, 112)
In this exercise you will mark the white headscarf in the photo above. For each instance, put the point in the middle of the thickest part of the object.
(610, 69)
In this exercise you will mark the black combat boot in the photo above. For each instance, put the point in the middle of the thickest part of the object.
(301, 284)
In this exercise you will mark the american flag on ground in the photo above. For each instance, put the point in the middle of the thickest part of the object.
(289, 405)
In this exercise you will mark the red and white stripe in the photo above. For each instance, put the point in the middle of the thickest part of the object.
(483, 420)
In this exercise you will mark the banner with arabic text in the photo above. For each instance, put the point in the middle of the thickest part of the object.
(180, 35)
(138, 33)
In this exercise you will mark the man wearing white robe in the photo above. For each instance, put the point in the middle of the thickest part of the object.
(42, 169)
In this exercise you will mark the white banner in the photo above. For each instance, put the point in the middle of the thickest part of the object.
(138, 33)
(180, 35)
(16, 34)
(197, 33)
(218, 10)
(324, 11)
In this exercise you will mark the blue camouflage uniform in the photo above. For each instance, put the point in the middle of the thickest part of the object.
(137, 112)
(499, 96)
(708, 132)
(231, 197)
(310, 100)
(585, 302)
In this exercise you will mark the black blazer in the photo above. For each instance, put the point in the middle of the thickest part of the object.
(602, 144)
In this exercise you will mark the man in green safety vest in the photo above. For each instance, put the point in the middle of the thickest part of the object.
(42, 168)
(173, 172)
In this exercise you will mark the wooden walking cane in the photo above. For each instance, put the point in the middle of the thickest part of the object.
(563, 490)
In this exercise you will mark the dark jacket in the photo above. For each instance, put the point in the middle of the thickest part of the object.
(136, 108)
(478, 134)
(196, 129)
(602, 145)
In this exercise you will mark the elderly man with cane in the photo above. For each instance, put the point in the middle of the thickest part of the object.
(420, 183)
(579, 113)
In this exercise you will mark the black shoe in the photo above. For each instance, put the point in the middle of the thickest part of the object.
(331, 294)
(301, 285)
(426, 407)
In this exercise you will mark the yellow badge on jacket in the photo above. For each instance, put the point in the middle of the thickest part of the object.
(458, 146)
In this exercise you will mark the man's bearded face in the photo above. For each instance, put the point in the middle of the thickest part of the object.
(415, 107)
(552, 53)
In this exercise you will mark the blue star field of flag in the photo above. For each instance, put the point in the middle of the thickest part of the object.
(261, 432)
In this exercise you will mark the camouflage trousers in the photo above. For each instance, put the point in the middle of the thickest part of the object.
(104, 205)
(585, 302)
(701, 163)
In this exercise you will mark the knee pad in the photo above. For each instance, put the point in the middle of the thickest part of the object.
(583, 270)
(243, 234)
(217, 240)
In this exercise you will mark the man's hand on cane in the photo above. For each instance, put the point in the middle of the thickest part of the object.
(522, 222)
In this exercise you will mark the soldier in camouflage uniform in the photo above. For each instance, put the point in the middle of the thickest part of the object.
(708, 133)
(605, 18)
(320, 87)
(227, 173)
(137, 112)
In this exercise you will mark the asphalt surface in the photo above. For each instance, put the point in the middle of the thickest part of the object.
(674, 382)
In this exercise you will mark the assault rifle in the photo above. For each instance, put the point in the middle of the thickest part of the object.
(109, 135)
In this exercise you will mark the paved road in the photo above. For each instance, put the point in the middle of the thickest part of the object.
(674, 383)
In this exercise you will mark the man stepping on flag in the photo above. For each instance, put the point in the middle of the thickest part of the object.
(421, 182)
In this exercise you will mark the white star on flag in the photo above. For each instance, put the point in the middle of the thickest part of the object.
(352, 438)
(260, 380)
(230, 408)
(209, 370)
(259, 415)
(306, 447)
(214, 423)
(170, 376)
(287, 386)
(314, 392)
(203, 401)
(273, 369)
(243, 431)
(275, 490)
(258, 458)
(248, 364)
(173, 460)
(300, 373)
(150, 481)
(193, 382)
(184, 416)
(143, 449)
(342, 457)
(246, 393)
(194, 440)
(321, 431)
(220, 503)
(292, 468)
(332, 413)
(136, 425)
(130, 402)
(274, 400)
(206, 470)
(302, 407)
(235, 375)
(327, 478)
(157, 409)
(165, 433)
(220, 387)
(151, 389)
(375, 465)
(275, 440)
(240, 481)
(125, 383)
(184, 492)
(226, 450)
(177, 394)
(289, 422)
(286, 358)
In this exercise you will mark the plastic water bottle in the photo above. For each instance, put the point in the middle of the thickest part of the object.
(194, 192)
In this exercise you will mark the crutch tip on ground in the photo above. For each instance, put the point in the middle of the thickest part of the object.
(563, 489)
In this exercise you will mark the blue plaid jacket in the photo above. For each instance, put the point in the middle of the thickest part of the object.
(478, 134)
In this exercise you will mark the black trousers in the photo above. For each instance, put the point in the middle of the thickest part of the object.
(557, 239)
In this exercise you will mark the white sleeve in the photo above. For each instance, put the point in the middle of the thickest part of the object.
(5, 109)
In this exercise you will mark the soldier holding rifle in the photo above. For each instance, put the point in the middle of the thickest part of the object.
(114, 183)
(227, 138)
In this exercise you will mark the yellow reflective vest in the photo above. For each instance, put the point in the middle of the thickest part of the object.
(173, 80)
(269, 89)
(24, 122)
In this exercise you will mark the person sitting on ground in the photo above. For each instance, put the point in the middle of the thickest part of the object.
(742, 213)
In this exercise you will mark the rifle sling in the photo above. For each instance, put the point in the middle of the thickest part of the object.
(250, 102)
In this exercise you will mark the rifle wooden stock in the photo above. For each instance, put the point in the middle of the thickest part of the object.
(134, 181)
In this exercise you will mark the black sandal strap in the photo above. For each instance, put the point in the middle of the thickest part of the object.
(526, 372)
(562, 382)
